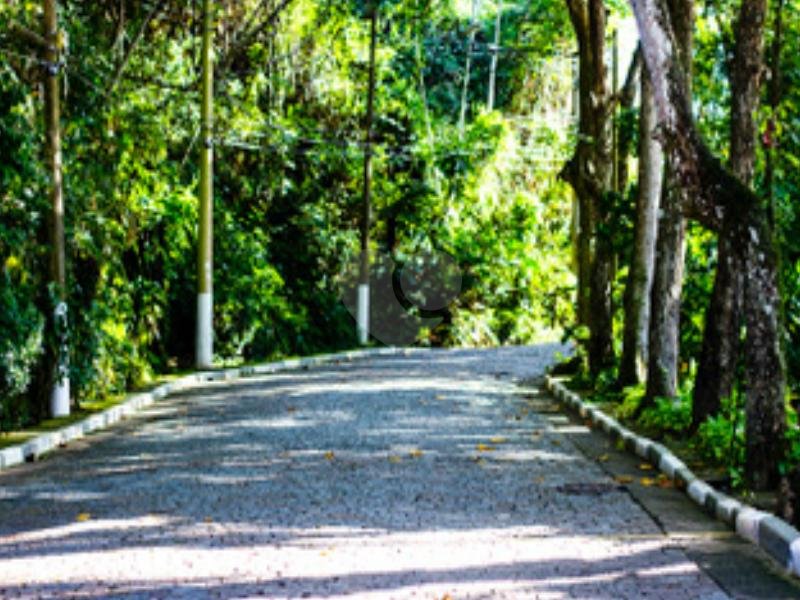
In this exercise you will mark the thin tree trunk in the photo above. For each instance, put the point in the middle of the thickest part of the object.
(636, 335)
(664, 340)
(664, 343)
(775, 92)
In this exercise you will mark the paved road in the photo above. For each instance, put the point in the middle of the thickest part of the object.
(429, 476)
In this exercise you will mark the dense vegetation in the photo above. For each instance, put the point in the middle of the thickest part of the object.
(539, 198)
(290, 95)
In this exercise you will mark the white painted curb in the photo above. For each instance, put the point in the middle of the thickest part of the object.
(774, 535)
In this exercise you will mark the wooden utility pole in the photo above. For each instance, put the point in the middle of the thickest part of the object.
(59, 395)
(495, 58)
(205, 249)
(362, 318)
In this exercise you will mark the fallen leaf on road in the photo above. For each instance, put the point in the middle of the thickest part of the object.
(329, 455)
(602, 458)
(395, 459)
(647, 481)
(208, 520)
(623, 478)
(485, 448)
(646, 467)
(83, 517)
(415, 453)
(498, 440)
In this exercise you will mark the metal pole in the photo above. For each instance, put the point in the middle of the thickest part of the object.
(59, 394)
(204, 347)
(362, 318)
(495, 57)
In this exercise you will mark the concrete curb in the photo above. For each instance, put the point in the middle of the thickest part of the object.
(52, 440)
(773, 535)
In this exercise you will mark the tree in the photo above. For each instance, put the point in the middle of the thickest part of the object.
(590, 172)
(636, 333)
(720, 354)
(712, 195)
(664, 338)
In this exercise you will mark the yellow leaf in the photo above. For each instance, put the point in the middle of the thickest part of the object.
(623, 478)
(415, 453)
(208, 520)
(485, 448)
(83, 517)
(395, 459)
(439, 397)
(498, 440)
(647, 481)
(329, 455)
(646, 467)
(602, 458)
(664, 481)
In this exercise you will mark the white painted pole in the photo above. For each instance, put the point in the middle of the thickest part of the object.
(362, 319)
(362, 313)
(59, 393)
(495, 58)
(204, 340)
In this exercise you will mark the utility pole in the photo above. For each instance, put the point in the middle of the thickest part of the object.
(362, 318)
(495, 58)
(615, 115)
(473, 29)
(204, 342)
(59, 394)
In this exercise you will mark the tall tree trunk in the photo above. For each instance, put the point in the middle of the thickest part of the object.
(589, 172)
(719, 357)
(712, 195)
(636, 334)
(664, 337)
(664, 350)
(601, 343)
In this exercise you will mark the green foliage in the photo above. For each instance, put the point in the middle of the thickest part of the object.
(289, 106)
(721, 439)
